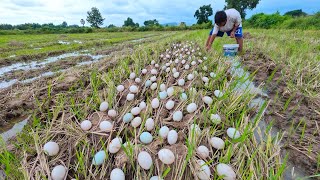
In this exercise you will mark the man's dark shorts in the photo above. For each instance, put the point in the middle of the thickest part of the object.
(238, 32)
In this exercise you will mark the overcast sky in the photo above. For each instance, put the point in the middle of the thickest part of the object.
(116, 11)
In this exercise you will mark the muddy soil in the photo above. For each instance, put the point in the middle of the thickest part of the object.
(292, 112)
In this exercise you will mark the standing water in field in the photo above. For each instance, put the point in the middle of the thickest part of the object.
(244, 84)
(37, 65)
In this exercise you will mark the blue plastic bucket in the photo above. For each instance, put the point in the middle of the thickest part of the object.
(230, 49)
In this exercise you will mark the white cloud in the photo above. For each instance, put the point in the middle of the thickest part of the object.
(116, 11)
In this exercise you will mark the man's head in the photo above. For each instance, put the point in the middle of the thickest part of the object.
(220, 18)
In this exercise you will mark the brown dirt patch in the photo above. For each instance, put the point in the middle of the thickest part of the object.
(292, 112)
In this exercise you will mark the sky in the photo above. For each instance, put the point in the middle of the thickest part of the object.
(116, 11)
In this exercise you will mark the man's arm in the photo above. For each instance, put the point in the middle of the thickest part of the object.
(210, 41)
(233, 31)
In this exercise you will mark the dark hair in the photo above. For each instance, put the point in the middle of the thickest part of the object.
(220, 17)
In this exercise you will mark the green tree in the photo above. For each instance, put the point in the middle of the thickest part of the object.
(111, 26)
(64, 24)
(241, 5)
(295, 13)
(203, 13)
(151, 23)
(94, 17)
(82, 22)
(129, 22)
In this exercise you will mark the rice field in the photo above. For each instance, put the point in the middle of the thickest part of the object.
(158, 106)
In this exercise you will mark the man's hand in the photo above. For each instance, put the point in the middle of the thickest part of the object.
(232, 34)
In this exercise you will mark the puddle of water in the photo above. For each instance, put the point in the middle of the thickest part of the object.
(5, 84)
(63, 42)
(37, 48)
(14, 130)
(137, 40)
(39, 64)
(77, 41)
(244, 85)
(12, 56)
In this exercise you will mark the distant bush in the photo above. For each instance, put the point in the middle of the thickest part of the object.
(267, 21)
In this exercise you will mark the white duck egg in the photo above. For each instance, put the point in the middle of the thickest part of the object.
(233, 133)
(149, 124)
(200, 61)
(195, 129)
(155, 103)
(226, 172)
(120, 88)
(193, 63)
(200, 53)
(156, 178)
(156, 65)
(186, 67)
(161, 55)
(164, 67)
(130, 97)
(183, 61)
(170, 91)
(137, 80)
(177, 116)
(204, 68)
(148, 83)
(205, 79)
(132, 75)
(183, 96)
(115, 145)
(99, 158)
(136, 122)
(135, 111)
(168, 70)
(153, 62)
(117, 174)
(190, 77)
(127, 117)
(215, 118)
(217, 143)
(154, 86)
(144, 71)
(170, 104)
(172, 137)
(112, 113)
(86, 125)
(134, 89)
(51, 148)
(58, 172)
(208, 100)
(203, 152)
(218, 93)
(162, 87)
(153, 78)
(167, 56)
(166, 156)
(167, 64)
(163, 94)
(176, 74)
(205, 58)
(104, 106)
(203, 170)
(106, 126)
(174, 70)
(146, 137)
(145, 160)
(192, 107)
(142, 105)
(213, 75)
(163, 132)
(181, 82)
(154, 72)
(176, 61)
